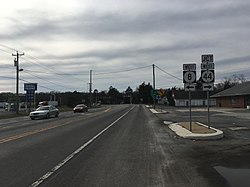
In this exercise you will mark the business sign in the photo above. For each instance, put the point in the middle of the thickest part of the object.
(30, 86)
(30, 95)
(207, 58)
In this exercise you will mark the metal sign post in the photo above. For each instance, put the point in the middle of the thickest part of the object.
(189, 80)
(207, 76)
(190, 112)
(208, 113)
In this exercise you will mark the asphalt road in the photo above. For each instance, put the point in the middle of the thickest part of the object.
(228, 157)
(123, 145)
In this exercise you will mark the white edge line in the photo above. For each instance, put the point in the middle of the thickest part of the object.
(68, 158)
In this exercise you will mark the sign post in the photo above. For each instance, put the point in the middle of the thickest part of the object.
(189, 80)
(207, 76)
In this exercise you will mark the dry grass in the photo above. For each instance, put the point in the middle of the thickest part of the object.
(196, 128)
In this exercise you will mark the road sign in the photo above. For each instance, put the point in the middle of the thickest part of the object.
(189, 67)
(189, 87)
(153, 92)
(207, 66)
(207, 58)
(189, 76)
(158, 97)
(161, 92)
(207, 76)
(208, 86)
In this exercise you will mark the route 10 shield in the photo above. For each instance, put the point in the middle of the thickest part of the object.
(189, 76)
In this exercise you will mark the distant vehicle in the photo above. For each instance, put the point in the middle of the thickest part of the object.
(80, 108)
(44, 112)
(45, 103)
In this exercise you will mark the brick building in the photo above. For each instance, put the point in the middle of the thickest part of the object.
(236, 97)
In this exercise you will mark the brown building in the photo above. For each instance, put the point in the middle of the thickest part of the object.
(236, 97)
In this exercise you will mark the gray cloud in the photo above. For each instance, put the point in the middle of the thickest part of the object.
(168, 34)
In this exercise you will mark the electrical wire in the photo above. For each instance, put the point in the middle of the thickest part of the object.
(168, 73)
(38, 62)
(107, 73)
(8, 47)
(38, 85)
(46, 80)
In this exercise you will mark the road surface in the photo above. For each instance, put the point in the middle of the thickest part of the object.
(124, 145)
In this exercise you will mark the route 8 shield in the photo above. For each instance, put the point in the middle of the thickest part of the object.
(189, 76)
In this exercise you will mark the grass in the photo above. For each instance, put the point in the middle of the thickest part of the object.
(6, 115)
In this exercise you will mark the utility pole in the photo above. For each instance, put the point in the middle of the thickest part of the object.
(154, 84)
(16, 64)
(90, 88)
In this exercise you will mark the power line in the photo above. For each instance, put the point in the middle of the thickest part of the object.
(168, 73)
(38, 85)
(107, 73)
(47, 80)
(5, 51)
(37, 62)
(8, 47)
(5, 77)
(51, 73)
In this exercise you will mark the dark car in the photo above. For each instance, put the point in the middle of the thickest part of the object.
(80, 108)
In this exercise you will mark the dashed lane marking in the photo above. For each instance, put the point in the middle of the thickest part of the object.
(72, 155)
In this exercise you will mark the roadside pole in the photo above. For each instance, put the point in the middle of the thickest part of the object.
(154, 84)
(207, 77)
(208, 113)
(189, 80)
(190, 111)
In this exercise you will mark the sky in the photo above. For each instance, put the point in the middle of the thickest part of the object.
(119, 41)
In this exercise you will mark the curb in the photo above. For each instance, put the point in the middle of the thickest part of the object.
(184, 133)
(156, 112)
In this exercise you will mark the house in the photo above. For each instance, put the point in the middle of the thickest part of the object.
(198, 98)
(235, 97)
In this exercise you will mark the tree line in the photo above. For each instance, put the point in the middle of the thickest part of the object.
(141, 95)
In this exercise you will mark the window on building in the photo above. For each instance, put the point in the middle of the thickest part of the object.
(233, 100)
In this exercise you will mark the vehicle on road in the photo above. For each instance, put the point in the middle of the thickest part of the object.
(44, 112)
(80, 108)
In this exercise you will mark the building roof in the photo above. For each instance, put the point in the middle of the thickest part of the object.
(240, 89)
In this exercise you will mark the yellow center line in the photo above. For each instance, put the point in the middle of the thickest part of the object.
(29, 133)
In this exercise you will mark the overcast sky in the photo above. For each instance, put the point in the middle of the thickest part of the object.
(119, 41)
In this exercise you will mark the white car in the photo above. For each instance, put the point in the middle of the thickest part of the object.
(44, 112)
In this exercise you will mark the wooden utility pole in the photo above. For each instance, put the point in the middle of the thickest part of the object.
(90, 89)
(16, 64)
